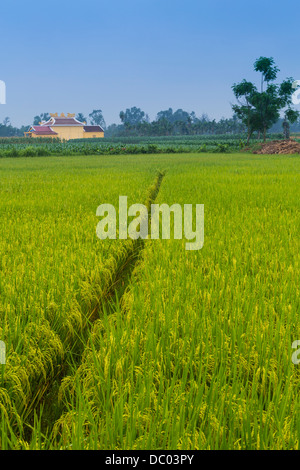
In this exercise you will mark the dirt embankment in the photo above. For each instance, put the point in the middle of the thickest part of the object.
(279, 147)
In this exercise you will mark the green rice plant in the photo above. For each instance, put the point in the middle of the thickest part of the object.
(53, 268)
(197, 354)
(191, 350)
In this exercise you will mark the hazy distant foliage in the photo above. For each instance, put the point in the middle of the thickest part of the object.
(8, 130)
(41, 117)
(133, 117)
(80, 117)
(97, 119)
(169, 123)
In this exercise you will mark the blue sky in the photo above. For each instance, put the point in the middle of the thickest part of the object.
(76, 56)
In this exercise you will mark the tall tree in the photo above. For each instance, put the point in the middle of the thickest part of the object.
(40, 118)
(97, 119)
(244, 110)
(80, 117)
(177, 116)
(268, 70)
(260, 110)
(6, 122)
(133, 116)
(167, 114)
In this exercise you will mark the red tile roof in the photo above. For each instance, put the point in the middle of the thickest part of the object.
(43, 130)
(63, 121)
(93, 129)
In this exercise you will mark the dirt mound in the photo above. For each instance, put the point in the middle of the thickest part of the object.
(279, 147)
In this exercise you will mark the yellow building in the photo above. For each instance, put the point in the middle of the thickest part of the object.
(65, 127)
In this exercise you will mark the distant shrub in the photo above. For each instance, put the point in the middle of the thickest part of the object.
(152, 148)
(11, 152)
(29, 152)
(203, 148)
(222, 148)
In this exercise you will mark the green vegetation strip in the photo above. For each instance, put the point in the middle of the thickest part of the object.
(193, 349)
(43, 320)
(24, 147)
(197, 354)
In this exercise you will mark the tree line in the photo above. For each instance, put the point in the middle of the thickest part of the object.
(259, 109)
(167, 123)
(135, 122)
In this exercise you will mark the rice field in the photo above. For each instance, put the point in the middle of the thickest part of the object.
(123, 344)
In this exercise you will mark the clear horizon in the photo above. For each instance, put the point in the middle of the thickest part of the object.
(74, 57)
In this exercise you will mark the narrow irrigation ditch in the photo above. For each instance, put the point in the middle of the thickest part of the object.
(44, 407)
